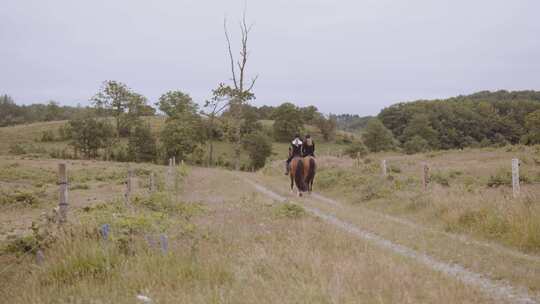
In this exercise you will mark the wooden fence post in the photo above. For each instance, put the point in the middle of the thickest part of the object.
(383, 167)
(164, 242)
(152, 182)
(515, 177)
(40, 257)
(63, 194)
(169, 173)
(128, 185)
(425, 176)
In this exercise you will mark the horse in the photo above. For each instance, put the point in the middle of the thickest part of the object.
(296, 173)
(302, 173)
(309, 172)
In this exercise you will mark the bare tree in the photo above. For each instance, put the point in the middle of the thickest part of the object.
(234, 96)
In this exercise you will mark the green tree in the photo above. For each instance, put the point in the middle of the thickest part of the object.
(142, 144)
(327, 126)
(113, 96)
(532, 123)
(287, 122)
(259, 148)
(53, 111)
(309, 114)
(180, 137)
(377, 137)
(183, 130)
(176, 103)
(419, 125)
(89, 134)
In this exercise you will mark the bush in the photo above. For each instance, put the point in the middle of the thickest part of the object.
(377, 137)
(416, 145)
(142, 144)
(259, 148)
(440, 178)
(356, 149)
(290, 210)
(47, 136)
(503, 177)
(20, 198)
(17, 149)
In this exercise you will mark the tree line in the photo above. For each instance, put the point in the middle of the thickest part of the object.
(13, 114)
(478, 120)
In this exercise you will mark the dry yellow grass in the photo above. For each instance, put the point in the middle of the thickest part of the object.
(243, 248)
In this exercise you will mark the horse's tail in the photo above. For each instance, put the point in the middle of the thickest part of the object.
(311, 170)
(299, 175)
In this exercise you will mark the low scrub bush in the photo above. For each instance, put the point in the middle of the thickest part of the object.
(290, 210)
(79, 187)
(20, 198)
(503, 177)
(47, 136)
(440, 178)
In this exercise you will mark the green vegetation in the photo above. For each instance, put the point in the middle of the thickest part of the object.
(377, 137)
(289, 210)
(484, 118)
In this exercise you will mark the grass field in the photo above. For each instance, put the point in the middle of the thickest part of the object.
(227, 243)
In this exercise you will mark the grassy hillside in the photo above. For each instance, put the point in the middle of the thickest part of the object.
(26, 139)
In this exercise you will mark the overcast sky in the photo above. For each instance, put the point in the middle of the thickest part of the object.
(352, 56)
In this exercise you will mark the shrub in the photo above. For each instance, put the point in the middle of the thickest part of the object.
(17, 149)
(142, 144)
(259, 148)
(440, 178)
(20, 198)
(356, 149)
(377, 137)
(416, 145)
(79, 187)
(21, 245)
(47, 136)
(503, 177)
(290, 210)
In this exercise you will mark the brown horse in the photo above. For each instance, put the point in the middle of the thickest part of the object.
(296, 173)
(302, 173)
(309, 172)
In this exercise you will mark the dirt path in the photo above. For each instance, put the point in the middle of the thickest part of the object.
(497, 289)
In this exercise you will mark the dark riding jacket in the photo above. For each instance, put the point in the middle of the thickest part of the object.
(307, 149)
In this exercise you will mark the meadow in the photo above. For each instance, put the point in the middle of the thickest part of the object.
(228, 243)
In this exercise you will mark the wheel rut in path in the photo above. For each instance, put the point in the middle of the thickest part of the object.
(495, 289)
(460, 238)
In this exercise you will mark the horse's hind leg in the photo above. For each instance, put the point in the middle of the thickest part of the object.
(292, 184)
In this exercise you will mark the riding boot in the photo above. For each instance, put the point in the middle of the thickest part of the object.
(286, 168)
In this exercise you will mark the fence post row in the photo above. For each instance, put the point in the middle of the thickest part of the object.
(515, 177)
(63, 193)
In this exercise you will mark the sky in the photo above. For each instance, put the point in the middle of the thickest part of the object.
(342, 56)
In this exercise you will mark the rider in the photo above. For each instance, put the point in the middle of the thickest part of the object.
(308, 148)
(294, 150)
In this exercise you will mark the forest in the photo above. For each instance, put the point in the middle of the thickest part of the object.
(480, 119)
